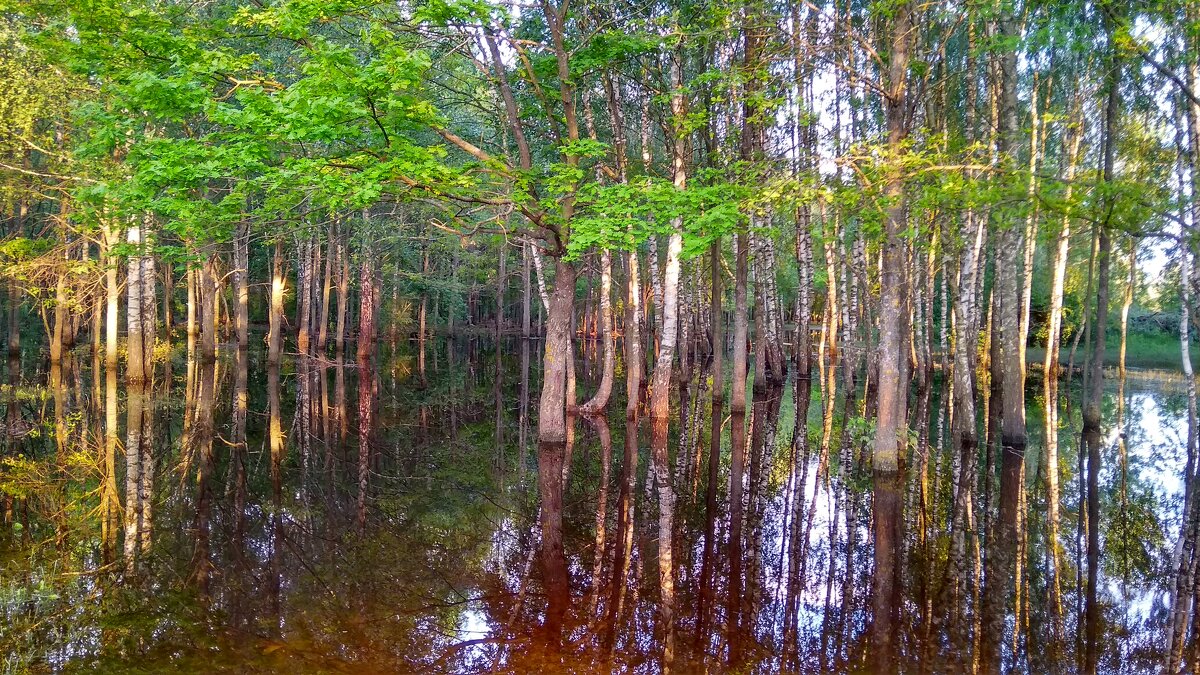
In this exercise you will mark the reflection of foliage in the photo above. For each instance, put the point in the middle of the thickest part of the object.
(1133, 538)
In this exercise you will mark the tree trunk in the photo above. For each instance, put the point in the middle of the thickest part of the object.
(1050, 374)
(60, 313)
(326, 291)
(209, 294)
(660, 390)
(888, 526)
(139, 289)
(633, 346)
(600, 400)
(421, 318)
(275, 314)
(1095, 394)
(1185, 569)
(526, 315)
(304, 274)
(1182, 594)
(241, 283)
(114, 297)
(343, 293)
(741, 324)
(552, 422)
(1009, 371)
(368, 308)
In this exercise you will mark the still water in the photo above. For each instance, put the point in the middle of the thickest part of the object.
(339, 517)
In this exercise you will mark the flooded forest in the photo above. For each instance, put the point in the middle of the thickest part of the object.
(483, 336)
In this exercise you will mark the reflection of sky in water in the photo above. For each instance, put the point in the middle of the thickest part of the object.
(1156, 441)
(1156, 444)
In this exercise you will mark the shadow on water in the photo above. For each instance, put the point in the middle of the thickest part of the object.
(380, 516)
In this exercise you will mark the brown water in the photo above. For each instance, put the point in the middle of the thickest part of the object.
(371, 520)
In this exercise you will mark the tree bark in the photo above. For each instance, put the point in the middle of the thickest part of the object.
(1050, 375)
(304, 280)
(209, 294)
(368, 307)
(1095, 394)
(887, 526)
(275, 313)
(326, 291)
(552, 420)
(599, 401)
(1009, 371)
(140, 317)
(343, 293)
(241, 283)
(741, 324)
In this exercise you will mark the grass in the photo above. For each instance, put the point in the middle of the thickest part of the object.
(1157, 351)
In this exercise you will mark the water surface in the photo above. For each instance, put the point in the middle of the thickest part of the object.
(371, 518)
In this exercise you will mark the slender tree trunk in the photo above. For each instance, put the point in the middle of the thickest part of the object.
(1009, 371)
(741, 324)
(241, 283)
(1185, 569)
(343, 294)
(421, 318)
(110, 325)
(526, 315)
(633, 340)
(1181, 596)
(541, 276)
(110, 500)
(1091, 409)
(368, 306)
(304, 280)
(1050, 375)
(326, 290)
(660, 389)
(275, 313)
(600, 400)
(60, 313)
(14, 292)
(139, 288)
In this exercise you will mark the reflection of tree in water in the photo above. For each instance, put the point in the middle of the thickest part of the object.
(267, 553)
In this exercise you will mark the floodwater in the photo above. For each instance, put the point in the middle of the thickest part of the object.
(369, 518)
